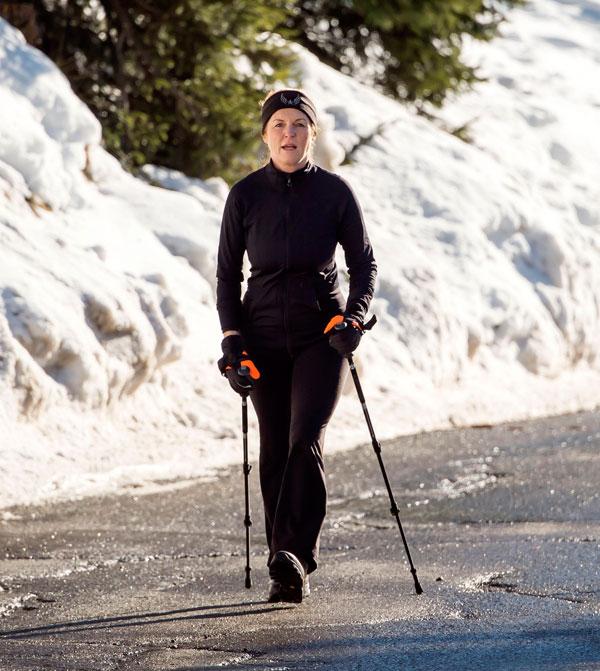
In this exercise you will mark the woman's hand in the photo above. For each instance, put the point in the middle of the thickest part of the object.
(345, 336)
(235, 364)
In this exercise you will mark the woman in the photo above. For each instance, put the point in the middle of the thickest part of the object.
(289, 216)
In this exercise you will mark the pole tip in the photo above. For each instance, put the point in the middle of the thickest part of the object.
(418, 588)
(248, 582)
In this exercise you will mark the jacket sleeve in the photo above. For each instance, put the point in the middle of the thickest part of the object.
(229, 264)
(359, 258)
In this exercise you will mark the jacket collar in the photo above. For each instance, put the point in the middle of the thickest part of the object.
(279, 178)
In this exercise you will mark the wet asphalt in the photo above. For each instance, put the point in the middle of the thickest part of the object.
(503, 524)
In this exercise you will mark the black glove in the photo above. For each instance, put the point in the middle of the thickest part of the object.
(345, 336)
(236, 366)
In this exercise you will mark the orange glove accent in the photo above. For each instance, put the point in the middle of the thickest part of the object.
(338, 319)
(254, 372)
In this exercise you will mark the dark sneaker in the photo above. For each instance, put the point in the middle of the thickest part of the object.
(278, 593)
(288, 578)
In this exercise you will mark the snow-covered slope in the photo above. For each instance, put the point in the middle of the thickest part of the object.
(488, 256)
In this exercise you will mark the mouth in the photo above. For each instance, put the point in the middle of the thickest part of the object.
(288, 147)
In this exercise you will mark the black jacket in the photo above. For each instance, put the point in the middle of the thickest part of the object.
(290, 224)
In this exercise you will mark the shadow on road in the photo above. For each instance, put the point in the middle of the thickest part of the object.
(544, 648)
(143, 619)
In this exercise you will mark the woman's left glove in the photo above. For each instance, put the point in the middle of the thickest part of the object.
(236, 366)
(345, 336)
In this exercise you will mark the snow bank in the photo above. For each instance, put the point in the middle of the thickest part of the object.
(488, 252)
(106, 283)
(488, 255)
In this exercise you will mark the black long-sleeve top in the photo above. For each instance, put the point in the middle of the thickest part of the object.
(290, 224)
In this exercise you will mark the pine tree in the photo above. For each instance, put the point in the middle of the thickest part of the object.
(178, 82)
(410, 49)
(174, 82)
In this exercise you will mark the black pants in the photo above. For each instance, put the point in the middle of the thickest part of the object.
(294, 400)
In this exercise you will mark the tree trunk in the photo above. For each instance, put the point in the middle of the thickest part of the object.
(22, 15)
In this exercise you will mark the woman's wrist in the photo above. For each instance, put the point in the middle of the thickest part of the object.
(230, 332)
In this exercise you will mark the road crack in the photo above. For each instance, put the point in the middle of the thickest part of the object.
(497, 583)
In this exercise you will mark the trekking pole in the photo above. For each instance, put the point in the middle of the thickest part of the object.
(377, 447)
(243, 370)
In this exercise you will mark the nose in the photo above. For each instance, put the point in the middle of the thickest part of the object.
(290, 130)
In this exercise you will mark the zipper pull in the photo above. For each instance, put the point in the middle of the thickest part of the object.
(289, 181)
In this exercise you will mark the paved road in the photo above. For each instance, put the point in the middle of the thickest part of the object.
(504, 526)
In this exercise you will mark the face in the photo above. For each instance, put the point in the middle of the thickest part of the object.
(288, 134)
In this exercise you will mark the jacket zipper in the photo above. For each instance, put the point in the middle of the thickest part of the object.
(287, 261)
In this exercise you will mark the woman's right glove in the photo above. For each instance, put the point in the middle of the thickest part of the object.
(236, 366)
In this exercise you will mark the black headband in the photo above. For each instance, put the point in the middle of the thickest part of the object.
(289, 98)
